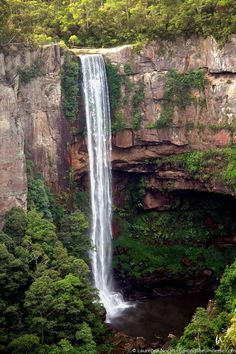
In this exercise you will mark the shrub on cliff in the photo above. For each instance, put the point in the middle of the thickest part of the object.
(70, 90)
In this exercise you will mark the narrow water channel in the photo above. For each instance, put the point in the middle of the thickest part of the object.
(160, 316)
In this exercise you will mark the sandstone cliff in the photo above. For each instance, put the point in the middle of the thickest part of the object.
(33, 125)
(197, 127)
(31, 121)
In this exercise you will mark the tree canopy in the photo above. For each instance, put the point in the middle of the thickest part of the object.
(47, 301)
(113, 22)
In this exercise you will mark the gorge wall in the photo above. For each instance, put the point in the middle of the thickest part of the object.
(33, 126)
(206, 123)
(31, 121)
(173, 164)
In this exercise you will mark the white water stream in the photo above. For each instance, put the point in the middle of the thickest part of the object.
(98, 122)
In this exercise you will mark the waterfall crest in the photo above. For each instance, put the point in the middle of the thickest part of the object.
(97, 109)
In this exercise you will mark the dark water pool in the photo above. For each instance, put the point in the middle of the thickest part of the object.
(160, 316)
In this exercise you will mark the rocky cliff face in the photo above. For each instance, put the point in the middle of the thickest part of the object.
(31, 121)
(33, 126)
(196, 127)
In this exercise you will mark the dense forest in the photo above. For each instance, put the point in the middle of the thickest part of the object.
(47, 302)
(109, 22)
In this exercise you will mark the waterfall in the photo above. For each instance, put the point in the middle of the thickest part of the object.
(97, 109)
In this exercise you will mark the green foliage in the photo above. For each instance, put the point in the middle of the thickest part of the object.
(139, 95)
(134, 96)
(224, 314)
(54, 305)
(70, 90)
(13, 273)
(41, 199)
(63, 347)
(199, 334)
(90, 23)
(39, 229)
(119, 122)
(136, 193)
(141, 259)
(114, 83)
(137, 100)
(156, 241)
(74, 234)
(218, 127)
(226, 292)
(47, 302)
(38, 196)
(178, 93)
(137, 119)
(195, 162)
(229, 170)
(228, 341)
(165, 119)
(15, 223)
(217, 164)
(27, 343)
(178, 86)
(85, 338)
(24, 23)
(127, 69)
(32, 72)
(214, 330)
(82, 201)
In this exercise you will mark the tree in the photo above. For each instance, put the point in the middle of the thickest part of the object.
(15, 223)
(7, 241)
(4, 15)
(27, 343)
(64, 347)
(225, 294)
(228, 340)
(55, 307)
(14, 278)
(38, 197)
(40, 230)
(199, 334)
(73, 234)
(216, 329)
(3, 327)
(85, 339)
(14, 274)
(65, 264)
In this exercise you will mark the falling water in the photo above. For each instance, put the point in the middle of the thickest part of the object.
(99, 147)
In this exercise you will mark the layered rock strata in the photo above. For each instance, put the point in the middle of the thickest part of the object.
(197, 127)
(32, 125)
